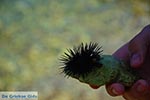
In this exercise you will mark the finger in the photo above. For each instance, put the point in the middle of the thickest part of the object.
(139, 88)
(94, 86)
(115, 89)
(138, 53)
(138, 91)
(138, 47)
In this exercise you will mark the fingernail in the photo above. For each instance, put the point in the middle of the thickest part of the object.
(142, 87)
(135, 60)
(117, 91)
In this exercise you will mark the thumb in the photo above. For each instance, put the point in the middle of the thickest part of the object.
(138, 48)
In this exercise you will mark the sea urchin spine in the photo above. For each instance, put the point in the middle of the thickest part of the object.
(82, 59)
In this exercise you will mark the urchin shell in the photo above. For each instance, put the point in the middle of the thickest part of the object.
(81, 60)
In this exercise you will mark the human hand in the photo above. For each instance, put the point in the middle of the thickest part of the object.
(137, 54)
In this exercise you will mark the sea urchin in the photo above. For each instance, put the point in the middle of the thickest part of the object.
(81, 60)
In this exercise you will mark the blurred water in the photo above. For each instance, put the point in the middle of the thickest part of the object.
(35, 33)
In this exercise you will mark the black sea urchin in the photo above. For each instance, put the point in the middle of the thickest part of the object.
(81, 59)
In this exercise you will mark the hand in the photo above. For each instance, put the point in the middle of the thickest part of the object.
(137, 54)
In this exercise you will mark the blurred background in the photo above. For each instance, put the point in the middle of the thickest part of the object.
(35, 33)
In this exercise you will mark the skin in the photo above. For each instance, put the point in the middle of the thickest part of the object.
(136, 53)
